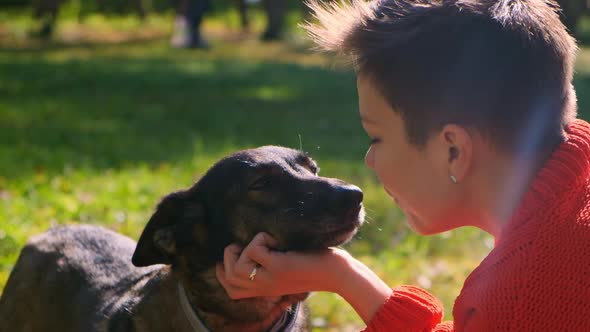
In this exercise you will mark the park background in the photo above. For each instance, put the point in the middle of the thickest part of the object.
(105, 118)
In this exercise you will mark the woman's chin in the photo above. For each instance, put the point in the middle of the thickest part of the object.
(423, 227)
(411, 222)
(417, 225)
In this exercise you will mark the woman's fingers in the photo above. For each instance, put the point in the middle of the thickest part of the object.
(236, 272)
(233, 291)
(258, 270)
(231, 254)
(239, 269)
(260, 249)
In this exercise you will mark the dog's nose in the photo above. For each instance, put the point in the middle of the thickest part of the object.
(350, 195)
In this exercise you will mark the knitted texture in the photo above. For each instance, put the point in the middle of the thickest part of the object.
(537, 276)
(408, 309)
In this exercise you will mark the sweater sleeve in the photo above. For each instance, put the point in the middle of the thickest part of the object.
(409, 309)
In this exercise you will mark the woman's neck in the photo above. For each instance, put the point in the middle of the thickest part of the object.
(503, 181)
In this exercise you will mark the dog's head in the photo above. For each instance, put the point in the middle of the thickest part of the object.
(269, 189)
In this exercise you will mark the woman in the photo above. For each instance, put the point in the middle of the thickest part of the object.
(471, 111)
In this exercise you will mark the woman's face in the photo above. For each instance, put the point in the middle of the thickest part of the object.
(417, 178)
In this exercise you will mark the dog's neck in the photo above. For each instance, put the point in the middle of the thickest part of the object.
(209, 306)
(285, 322)
(189, 313)
(211, 303)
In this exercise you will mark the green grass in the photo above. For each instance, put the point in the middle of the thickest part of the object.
(96, 132)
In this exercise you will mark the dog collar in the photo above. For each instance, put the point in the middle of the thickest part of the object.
(288, 320)
(285, 324)
(190, 314)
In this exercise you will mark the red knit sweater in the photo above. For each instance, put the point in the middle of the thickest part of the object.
(537, 278)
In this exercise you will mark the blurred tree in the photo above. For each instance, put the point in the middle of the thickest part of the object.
(138, 7)
(14, 3)
(572, 11)
(46, 12)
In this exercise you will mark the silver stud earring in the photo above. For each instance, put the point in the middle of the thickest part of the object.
(453, 179)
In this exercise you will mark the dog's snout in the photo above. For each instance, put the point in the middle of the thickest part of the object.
(349, 195)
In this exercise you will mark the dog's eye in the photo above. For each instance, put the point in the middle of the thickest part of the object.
(260, 184)
(314, 169)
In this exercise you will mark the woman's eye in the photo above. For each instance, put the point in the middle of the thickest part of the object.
(375, 141)
(260, 184)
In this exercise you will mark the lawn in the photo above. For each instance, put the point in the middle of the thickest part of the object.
(95, 129)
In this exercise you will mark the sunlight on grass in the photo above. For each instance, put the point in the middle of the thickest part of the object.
(268, 93)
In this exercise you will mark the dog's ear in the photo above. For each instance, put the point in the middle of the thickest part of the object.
(157, 243)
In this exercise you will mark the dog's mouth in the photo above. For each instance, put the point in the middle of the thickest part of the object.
(324, 232)
(342, 232)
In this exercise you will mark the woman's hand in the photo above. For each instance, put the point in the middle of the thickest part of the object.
(283, 273)
(278, 273)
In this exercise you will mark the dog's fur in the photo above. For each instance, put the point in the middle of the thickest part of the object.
(81, 278)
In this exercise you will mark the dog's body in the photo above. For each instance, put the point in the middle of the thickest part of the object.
(80, 278)
(72, 278)
(86, 278)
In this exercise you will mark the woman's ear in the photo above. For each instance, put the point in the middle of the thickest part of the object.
(157, 243)
(458, 143)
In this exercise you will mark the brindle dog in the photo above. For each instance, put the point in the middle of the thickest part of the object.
(86, 278)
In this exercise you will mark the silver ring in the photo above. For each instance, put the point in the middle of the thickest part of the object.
(253, 273)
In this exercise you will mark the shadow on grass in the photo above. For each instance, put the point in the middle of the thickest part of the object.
(106, 112)
(113, 110)
(37, 44)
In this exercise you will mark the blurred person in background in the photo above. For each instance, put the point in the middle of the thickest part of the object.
(187, 24)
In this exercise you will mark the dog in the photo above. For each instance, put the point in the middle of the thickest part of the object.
(87, 278)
